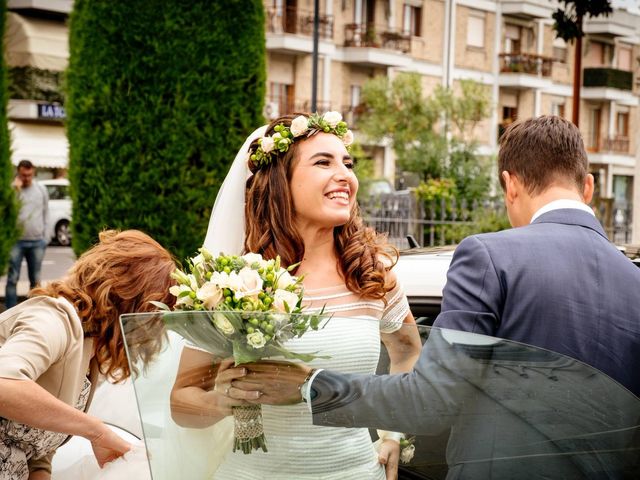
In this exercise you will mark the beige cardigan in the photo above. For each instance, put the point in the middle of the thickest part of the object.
(42, 340)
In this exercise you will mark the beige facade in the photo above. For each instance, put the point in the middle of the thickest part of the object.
(507, 45)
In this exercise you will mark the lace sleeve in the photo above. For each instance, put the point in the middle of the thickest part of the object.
(396, 310)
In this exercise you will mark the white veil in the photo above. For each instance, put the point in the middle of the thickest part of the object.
(226, 226)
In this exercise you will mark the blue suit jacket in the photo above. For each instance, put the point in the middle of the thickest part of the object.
(557, 284)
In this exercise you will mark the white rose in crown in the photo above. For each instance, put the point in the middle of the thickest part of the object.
(250, 283)
(267, 144)
(347, 138)
(177, 290)
(284, 296)
(223, 324)
(284, 280)
(256, 339)
(299, 125)
(210, 295)
(332, 118)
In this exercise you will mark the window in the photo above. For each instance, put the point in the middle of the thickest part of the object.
(412, 20)
(557, 109)
(560, 50)
(622, 124)
(599, 54)
(593, 137)
(624, 57)
(512, 39)
(355, 96)
(281, 99)
(475, 30)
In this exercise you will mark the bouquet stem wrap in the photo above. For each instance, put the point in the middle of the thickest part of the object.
(248, 429)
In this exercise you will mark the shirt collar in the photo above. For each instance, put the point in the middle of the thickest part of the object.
(562, 203)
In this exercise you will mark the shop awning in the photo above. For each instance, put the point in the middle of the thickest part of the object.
(44, 145)
(32, 42)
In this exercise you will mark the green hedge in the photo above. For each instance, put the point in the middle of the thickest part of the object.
(8, 206)
(160, 96)
(608, 77)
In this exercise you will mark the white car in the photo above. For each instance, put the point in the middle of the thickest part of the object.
(59, 210)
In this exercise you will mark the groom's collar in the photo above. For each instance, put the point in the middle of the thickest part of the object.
(572, 216)
(560, 204)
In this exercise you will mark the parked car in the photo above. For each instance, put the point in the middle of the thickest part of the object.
(59, 210)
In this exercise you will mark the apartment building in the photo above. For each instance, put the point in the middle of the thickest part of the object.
(37, 52)
(507, 45)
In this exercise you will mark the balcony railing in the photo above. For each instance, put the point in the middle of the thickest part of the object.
(527, 63)
(352, 114)
(608, 77)
(297, 21)
(30, 83)
(276, 107)
(616, 144)
(373, 36)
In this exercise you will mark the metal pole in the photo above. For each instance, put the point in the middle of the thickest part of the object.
(314, 68)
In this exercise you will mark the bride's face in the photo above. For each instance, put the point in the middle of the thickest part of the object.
(323, 185)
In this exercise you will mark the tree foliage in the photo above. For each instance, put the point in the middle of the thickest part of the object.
(8, 205)
(431, 135)
(568, 20)
(160, 95)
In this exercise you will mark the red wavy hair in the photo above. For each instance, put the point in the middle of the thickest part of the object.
(364, 255)
(119, 275)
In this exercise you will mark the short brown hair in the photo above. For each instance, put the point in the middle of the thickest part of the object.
(543, 151)
(121, 274)
(364, 256)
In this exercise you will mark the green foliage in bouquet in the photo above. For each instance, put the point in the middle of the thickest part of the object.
(160, 95)
(8, 204)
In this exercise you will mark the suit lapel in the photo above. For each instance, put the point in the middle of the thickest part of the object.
(572, 216)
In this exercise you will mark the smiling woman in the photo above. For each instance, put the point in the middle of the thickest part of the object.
(301, 205)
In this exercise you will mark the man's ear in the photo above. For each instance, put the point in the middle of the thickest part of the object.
(587, 191)
(510, 186)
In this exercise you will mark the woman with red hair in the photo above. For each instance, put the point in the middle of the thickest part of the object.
(54, 346)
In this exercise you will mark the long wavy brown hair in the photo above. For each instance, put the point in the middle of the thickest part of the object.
(121, 274)
(364, 256)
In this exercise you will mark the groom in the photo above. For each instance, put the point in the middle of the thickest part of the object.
(554, 282)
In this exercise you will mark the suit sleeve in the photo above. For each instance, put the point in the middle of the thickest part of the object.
(425, 401)
(472, 299)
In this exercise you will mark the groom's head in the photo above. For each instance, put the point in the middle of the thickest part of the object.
(540, 160)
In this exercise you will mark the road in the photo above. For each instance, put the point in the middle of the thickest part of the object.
(57, 260)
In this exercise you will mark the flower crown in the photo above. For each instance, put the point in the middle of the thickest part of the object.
(279, 142)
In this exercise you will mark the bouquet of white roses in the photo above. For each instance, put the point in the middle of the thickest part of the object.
(252, 306)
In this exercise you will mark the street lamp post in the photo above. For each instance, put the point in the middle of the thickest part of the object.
(314, 68)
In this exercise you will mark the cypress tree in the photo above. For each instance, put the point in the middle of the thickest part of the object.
(160, 96)
(8, 205)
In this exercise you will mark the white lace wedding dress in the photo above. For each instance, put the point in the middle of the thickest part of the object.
(297, 448)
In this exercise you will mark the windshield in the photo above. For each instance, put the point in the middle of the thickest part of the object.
(473, 407)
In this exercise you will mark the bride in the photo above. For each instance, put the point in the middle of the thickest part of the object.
(300, 204)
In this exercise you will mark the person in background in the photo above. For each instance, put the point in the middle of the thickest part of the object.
(54, 346)
(32, 223)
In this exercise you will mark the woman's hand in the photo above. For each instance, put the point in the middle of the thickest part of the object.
(225, 393)
(108, 446)
(389, 456)
(272, 382)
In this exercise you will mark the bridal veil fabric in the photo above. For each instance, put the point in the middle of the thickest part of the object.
(226, 226)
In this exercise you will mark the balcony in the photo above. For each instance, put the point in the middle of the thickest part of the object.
(276, 107)
(290, 30)
(611, 84)
(376, 45)
(527, 9)
(525, 70)
(619, 23)
(352, 115)
(616, 144)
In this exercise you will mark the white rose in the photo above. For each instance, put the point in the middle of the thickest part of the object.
(267, 144)
(186, 300)
(210, 295)
(198, 259)
(284, 279)
(256, 339)
(299, 125)
(193, 283)
(283, 296)
(252, 258)
(250, 283)
(276, 136)
(406, 455)
(332, 118)
(347, 138)
(223, 324)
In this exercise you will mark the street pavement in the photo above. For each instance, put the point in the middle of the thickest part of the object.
(57, 261)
